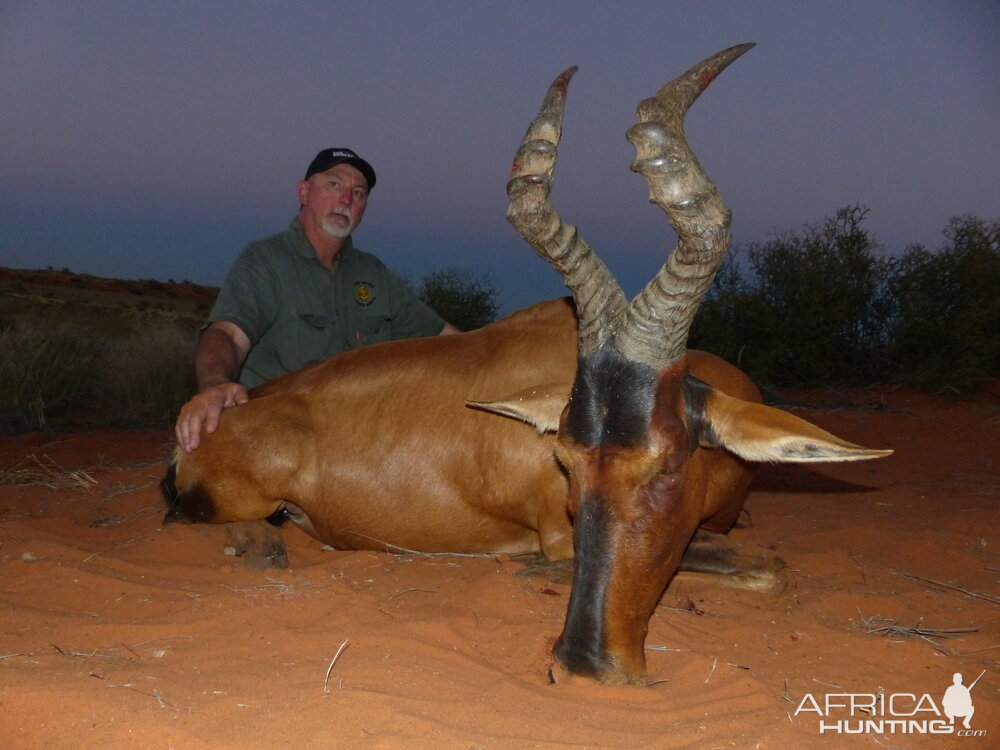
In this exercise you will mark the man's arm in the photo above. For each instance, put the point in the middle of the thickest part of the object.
(221, 351)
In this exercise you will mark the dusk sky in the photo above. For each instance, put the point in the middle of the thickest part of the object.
(155, 139)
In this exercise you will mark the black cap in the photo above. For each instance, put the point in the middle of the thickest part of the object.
(331, 157)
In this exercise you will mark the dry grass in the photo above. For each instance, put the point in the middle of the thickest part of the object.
(889, 628)
(42, 471)
(326, 679)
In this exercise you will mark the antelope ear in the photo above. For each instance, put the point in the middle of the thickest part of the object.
(540, 406)
(757, 432)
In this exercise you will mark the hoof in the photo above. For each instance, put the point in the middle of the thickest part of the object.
(715, 557)
(771, 582)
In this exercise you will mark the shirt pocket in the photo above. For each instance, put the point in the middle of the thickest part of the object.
(309, 338)
(372, 326)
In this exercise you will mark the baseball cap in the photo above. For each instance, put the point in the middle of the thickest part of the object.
(331, 157)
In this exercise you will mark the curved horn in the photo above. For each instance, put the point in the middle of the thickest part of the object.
(657, 321)
(599, 299)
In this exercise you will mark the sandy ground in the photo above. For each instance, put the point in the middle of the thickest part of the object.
(118, 633)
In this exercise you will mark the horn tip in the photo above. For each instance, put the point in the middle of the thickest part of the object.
(563, 79)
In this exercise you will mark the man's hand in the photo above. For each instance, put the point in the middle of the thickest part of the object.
(221, 350)
(202, 412)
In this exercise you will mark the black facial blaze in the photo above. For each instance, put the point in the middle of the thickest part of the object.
(580, 648)
(612, 401)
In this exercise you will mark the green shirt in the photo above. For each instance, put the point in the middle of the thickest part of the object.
(295, 311)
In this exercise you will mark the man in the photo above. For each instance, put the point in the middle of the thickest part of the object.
(301, 296)
(957, 700)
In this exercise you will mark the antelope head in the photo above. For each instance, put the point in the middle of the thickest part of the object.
(631, 420)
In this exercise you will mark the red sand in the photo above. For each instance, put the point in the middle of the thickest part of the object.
(117, 633)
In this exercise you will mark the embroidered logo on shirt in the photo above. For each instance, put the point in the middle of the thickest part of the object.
(364, 293)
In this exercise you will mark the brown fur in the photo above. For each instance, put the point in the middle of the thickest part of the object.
(373, 444)
(377, 448)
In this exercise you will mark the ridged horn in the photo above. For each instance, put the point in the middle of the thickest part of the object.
(658, 320)
(599, 299)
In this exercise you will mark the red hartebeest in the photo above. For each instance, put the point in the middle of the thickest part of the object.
(399, 446)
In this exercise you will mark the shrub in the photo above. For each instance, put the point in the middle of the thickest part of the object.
(71, 374)
(148, 375)
(44, 370)
(813, 309)
(464, 300)
(946, 328)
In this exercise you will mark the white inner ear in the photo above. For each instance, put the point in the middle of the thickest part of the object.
(762, 433)
(540, 406)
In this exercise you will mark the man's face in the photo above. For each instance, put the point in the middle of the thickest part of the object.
(335, 200)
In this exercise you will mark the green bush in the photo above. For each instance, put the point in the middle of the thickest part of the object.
(825, 307)
(813, 309)
(464, 300)
(946, 333)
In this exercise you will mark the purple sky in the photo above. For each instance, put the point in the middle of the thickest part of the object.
(154, 139)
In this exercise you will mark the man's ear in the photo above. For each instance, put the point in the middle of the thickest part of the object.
(540, 406)
(301, 190)
(757, 432)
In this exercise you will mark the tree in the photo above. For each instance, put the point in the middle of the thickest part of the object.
(813, 310)
(946, 330)
(464, 300)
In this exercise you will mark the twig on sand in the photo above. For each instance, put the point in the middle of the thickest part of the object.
(889, 628)
(411, 590)
(326, 679)
(161, 638)
(715, 663)
(71, 654)
(284, 589)
(394, 549)
(974, 594)
(85, 656)
(124, 489)
(828, 684)
(155, 694)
